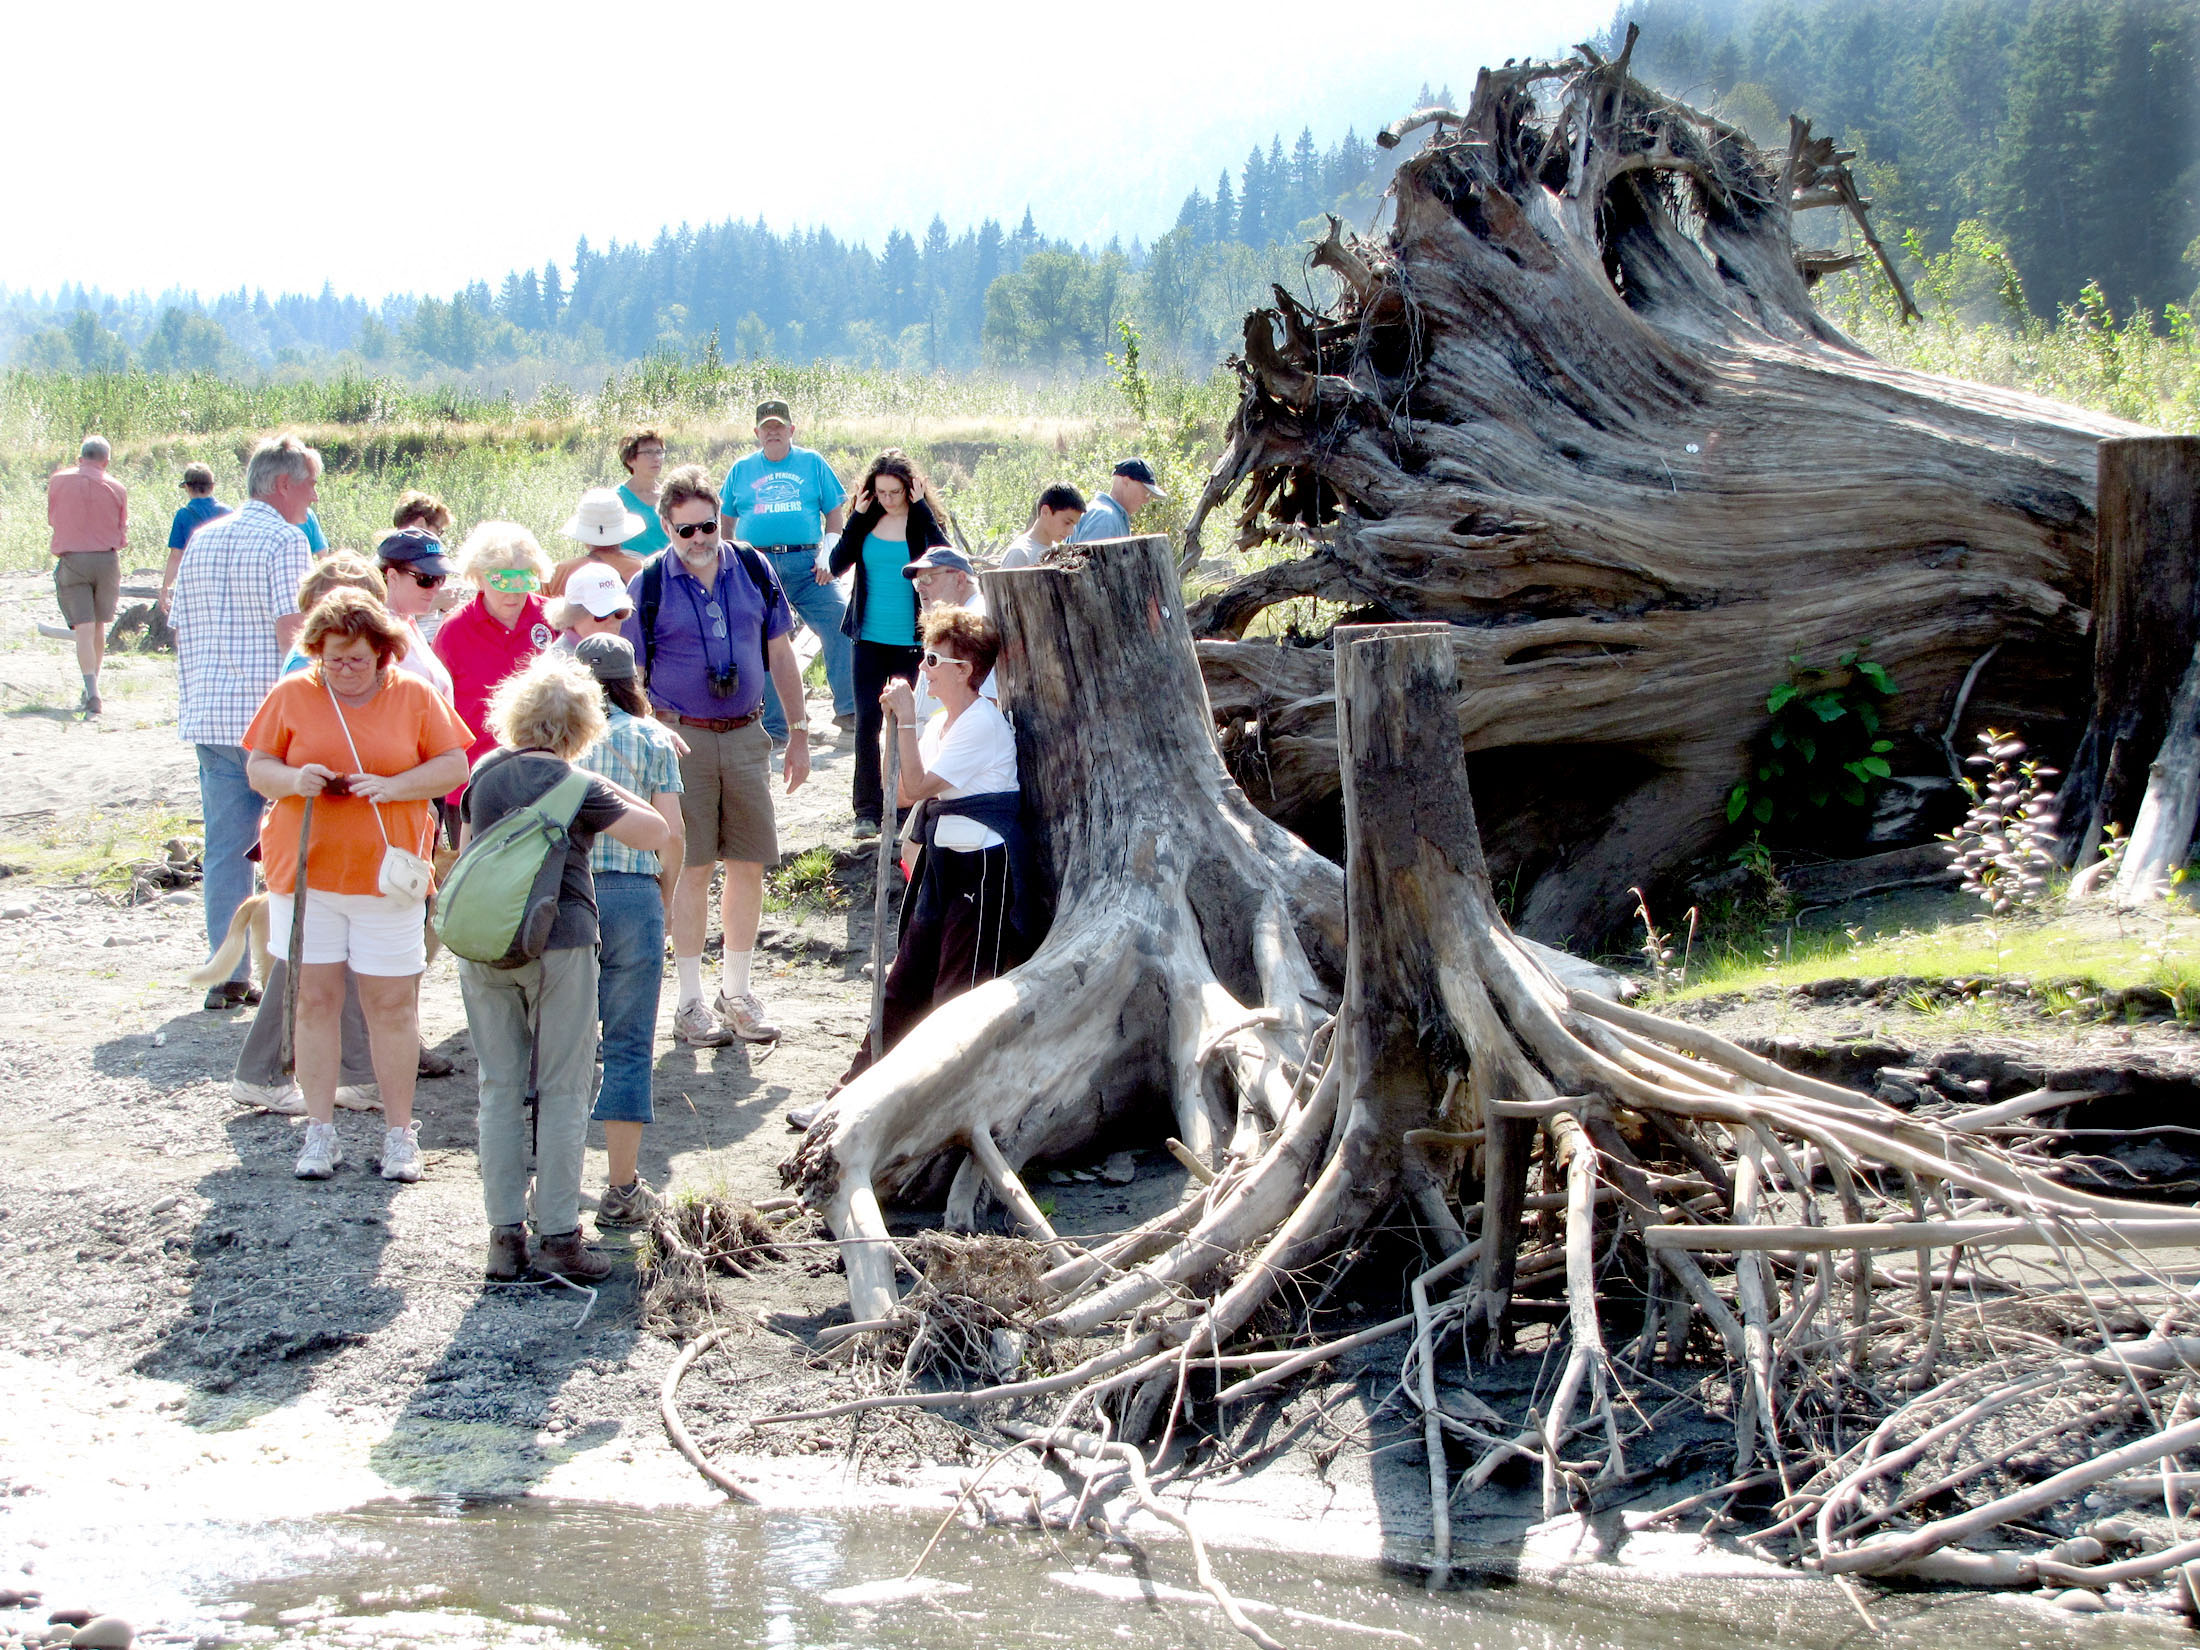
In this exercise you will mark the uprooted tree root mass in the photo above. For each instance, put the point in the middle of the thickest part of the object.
(1924, 1351)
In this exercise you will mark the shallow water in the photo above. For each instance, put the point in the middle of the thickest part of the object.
(558, 1575)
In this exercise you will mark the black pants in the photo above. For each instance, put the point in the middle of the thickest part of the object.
(964, 944)
(876, 664)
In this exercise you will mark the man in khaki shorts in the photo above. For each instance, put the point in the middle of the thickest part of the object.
(709, 622)
(89, 512)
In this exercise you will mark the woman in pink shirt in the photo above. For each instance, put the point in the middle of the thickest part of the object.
(494, 635)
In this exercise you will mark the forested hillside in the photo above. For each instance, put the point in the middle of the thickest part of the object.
(2069, 130)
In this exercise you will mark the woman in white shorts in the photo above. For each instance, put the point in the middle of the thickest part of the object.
(371, 744)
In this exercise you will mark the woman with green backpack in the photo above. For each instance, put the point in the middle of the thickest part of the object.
(530, 988)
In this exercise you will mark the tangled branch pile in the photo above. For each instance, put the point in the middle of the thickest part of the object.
(1692, 1218)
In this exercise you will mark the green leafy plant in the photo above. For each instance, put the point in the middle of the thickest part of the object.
(1823, 746)
(2005, 847)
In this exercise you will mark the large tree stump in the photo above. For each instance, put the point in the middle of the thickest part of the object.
(1578, 403)
(2146, 618)
(1190, 944)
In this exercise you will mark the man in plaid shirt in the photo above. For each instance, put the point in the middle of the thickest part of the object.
(235, 613)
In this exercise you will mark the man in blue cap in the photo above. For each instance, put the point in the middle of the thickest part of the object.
(1109, 515)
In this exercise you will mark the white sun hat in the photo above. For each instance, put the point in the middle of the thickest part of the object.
(598, 589)
(603, 519)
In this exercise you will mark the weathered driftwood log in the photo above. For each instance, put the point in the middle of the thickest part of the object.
(2146, 621)
(1180, 913)
(1578, 401)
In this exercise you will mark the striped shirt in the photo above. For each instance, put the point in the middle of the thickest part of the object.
(638, 755)
(238, 576)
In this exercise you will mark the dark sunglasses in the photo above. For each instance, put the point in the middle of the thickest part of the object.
(426, 581)
(688, 529)
(932, 661)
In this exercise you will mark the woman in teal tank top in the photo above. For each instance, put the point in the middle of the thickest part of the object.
(893, 523)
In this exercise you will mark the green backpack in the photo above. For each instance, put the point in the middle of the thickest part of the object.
(502, 895)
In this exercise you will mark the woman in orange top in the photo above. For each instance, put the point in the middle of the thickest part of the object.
(372, 744)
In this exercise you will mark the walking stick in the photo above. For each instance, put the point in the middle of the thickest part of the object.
(297, 946)
(889, 838)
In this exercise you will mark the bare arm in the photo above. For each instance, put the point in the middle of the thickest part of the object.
(674, 852)
(901, 709)
(787, 678)
(641, 826)
(273, 777)
(168, 579)
(286, 631)
(438, 776)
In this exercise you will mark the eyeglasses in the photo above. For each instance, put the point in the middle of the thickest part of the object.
(933, 661)
(688, 529)
(717, 616)
(649, 452)
(368, 663)
(426, 581)
(620, 617)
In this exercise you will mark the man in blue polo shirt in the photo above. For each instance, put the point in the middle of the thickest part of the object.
(784, 499)
(710, 636)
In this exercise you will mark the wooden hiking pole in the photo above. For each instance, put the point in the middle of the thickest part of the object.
(297, 944)
(889, 838)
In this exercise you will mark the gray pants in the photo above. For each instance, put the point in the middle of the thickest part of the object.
(551, 1005)
(261, 1059)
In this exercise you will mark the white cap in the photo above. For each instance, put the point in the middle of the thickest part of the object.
(597, 588)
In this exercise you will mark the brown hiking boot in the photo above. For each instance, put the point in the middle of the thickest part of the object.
(567, 1257)
(507, 1262)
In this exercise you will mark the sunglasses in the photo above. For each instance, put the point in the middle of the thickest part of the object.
(933, 661)
(688, 529)
(426, 581)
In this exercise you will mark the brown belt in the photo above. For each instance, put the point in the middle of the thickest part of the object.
(711, 724)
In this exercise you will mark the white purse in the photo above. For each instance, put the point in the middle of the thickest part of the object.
(403, 876)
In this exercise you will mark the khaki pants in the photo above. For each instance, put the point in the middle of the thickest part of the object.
(551, 1005)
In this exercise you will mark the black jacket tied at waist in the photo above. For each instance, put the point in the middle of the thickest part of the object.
(1001, 812)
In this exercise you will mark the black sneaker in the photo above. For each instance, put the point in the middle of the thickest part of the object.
(89, 704)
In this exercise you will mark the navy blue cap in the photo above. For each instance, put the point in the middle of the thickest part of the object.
(937, 557)
(1138, 470)
(421, 551)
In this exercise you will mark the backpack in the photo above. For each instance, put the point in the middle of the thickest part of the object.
(502, 895)
(653, 597)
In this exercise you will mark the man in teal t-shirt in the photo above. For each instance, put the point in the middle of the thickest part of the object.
(784, 499)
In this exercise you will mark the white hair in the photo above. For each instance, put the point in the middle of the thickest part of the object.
(278, 459)
(95, 448)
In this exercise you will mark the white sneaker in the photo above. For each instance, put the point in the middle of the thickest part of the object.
(401, 1153)
(360, 1096)
(746, 1019)
(695, 1024)
(323, 1153)
(286, 1098)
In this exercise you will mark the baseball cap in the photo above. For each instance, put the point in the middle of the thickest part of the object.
(610, 657)
(939, 556)
(597, 588)
(423, 552)
(766, 411)
(1138, 470)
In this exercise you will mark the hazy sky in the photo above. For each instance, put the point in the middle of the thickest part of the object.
(409, 146)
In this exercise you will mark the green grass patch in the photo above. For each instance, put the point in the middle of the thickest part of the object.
(2080, 951)
(805, 883)
(95, 850)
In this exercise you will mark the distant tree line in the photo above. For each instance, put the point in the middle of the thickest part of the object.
(2067, 130)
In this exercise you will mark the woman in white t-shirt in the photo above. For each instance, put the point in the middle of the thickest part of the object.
(959, 921)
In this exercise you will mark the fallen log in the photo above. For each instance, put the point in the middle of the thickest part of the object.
(1578, 403)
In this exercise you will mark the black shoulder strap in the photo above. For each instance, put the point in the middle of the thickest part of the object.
(653, 597)
(752, 563)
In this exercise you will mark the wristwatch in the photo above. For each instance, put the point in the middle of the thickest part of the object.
(802, 726)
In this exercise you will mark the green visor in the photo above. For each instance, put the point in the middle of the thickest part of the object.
(514, 581)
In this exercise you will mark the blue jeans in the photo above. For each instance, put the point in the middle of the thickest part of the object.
(819, 606)
(231, 810)
(630, 970)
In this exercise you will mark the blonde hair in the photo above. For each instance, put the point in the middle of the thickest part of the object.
(496, 545)
(555, 704)
(343, 570)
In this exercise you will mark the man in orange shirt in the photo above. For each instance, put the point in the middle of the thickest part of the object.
(89, 512)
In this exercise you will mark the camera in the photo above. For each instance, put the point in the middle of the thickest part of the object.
(722, 682)
(339, 784)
